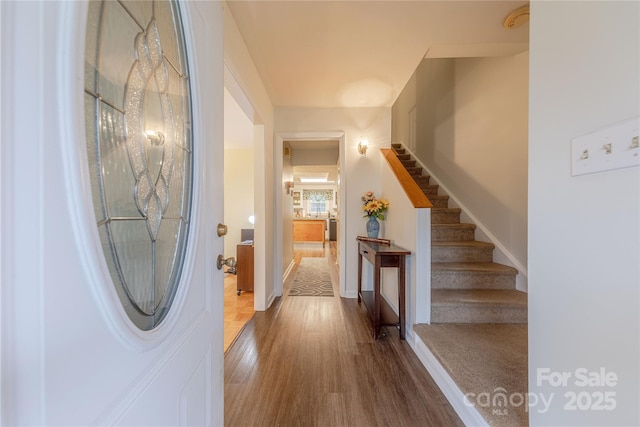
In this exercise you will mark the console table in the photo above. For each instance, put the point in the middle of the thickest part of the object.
(382, 256)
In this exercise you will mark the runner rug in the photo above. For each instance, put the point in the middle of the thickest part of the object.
(312, 279)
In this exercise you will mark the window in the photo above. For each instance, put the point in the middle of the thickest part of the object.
(138, 126)
(318, 201)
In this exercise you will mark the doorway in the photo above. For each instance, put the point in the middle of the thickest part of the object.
(310, 173)
(239, 216)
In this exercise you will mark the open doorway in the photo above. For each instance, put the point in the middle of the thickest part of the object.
(239, 218)
(311, 205)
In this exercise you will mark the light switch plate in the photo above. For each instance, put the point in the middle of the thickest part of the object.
(615, 147)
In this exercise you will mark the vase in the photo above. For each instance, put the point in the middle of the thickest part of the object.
(373, 227)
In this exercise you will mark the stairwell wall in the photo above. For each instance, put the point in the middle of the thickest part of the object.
(471, 133)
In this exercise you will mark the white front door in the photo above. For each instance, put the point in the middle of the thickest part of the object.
(69, 354)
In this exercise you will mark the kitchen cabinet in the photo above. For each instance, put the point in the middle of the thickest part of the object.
(309, 230)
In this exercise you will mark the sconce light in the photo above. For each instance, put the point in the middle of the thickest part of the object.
(288, 185)
(362, 146)
(156, 138)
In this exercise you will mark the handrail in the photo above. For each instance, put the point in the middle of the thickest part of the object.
(413, 191)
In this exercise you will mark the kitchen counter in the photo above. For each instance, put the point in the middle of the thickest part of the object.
(309, 230)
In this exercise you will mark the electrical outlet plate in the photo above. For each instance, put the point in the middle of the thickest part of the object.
(615, 147)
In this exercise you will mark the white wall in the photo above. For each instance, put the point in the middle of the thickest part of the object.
(246, 87)
(238, 195)
(287, 215)
(358, 174)
(583, 231)
(472, 136)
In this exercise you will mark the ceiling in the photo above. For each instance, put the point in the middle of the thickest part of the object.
(328, 54)
(362, 53)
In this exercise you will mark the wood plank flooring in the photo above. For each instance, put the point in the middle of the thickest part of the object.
(238, 309)
(311, 361)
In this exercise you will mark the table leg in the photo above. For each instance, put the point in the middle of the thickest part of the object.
(359, 275)
(402, 295)
(376, 298)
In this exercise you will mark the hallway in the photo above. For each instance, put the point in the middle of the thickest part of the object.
(312, 361)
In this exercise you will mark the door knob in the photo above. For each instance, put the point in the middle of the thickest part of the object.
(222, 230)
(229, 262)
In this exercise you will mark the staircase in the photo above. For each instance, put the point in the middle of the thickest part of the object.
(466, 285)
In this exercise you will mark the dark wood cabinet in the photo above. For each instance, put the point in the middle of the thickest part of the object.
(244, 267)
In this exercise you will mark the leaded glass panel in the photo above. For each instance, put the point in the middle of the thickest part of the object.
(138, 125)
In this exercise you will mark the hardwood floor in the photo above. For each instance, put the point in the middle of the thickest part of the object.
(311, 361)
(238, 309)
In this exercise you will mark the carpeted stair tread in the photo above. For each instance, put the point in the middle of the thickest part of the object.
(414, 171)
(446, 210)
(478, 306)
(478, 296)
(452, 231)
(474, 267)
(461, 251)
(429, 189)
(439, 200)
(472, 275)
(483, 357)
(463, 244)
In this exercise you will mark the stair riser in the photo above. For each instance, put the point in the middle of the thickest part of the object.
(467, 280)
(403, 157)
(445, 217)
(439, 203)
(464, 313)
(408, 163)
(451, 234)
(415, 171)
(429, 189)
(457, 254)
(422, 180)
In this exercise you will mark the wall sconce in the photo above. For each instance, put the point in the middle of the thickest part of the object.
(288, 185)
(362, 146)
(156, 138)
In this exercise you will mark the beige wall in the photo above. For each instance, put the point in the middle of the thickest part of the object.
(244, 83)
(358, 174)
(472, 136)
(238, 195)
(584, 231)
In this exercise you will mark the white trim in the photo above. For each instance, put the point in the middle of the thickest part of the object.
(467, 413)
(285, 276)
(422, 267)
(278, 145)
(502, 254)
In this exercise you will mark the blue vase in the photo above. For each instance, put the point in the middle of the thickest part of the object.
(373, 227)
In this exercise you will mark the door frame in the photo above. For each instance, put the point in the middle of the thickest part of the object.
(279, 226)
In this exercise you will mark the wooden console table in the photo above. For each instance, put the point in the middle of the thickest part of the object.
(382, 256)
(244, 267)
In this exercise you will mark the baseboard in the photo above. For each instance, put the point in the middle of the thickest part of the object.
(271, 299)
(350, 294)
(467, 413)
(502, 254)
(285, 276)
